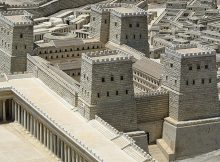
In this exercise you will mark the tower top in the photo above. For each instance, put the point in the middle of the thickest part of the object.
(106, 56)
(16, 18)
(190, 50)
(120, 9)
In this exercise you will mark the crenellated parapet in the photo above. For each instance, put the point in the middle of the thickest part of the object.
(112, 7)
(7, 17)
(106, 56)
(152, 93)
(177, 50)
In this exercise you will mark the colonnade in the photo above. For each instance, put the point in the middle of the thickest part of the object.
(54, 142)
(6, 110)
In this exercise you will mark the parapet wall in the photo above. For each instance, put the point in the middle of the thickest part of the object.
(122, 56)
(26, 16)
(69, 92)
(152, 106)
(173, 50)
(109, 7)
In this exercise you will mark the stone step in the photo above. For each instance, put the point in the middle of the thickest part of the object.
(121, 141)
(134, 154)
(102, 129)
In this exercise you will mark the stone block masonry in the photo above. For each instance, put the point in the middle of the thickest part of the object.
(106, 85)
(193, 123)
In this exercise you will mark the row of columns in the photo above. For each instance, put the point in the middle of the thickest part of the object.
(6, 110)
(49, 139)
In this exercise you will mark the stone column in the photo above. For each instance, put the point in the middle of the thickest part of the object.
(37, 128)
(58, 147)
(31, 123)
(48, 139)
(69, 154)
(73, 155)
(16, 111)
(4, 110)
(61, 151)
(13, 110)
(28, 122)
(19, 114)
(45, 136)
(51, 142)
(65, 153)
(25, 120)
(54, 144)
(22, 117)
(40, 127)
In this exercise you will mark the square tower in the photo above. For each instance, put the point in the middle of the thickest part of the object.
(190, 75)
(122, 24)
(16, 28)
(106, 89)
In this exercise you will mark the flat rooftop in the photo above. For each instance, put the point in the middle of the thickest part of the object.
(190, 50)
(22, 2)
(125, 9)
(18, 146)
(53, 105)
(17, 18)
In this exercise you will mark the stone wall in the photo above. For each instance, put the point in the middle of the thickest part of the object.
(105, 88)
(132, 31)
(152, 106)
(194, 84)
(68, 91)
(5, 63)
(190, 138)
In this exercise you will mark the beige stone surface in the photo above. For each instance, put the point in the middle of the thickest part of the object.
(16, 145)
(73, 122)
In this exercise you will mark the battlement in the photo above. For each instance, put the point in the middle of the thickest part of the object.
(153, 93)
(190, 50)
(106, 56)
(120, 9)
(16, 18)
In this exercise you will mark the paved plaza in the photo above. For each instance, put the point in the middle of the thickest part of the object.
(18, 146)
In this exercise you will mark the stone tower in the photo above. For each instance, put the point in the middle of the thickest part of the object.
(193, 123)
(107, 89)
(122, 24)
(16, 41)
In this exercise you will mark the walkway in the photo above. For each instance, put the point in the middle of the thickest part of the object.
(18, 146)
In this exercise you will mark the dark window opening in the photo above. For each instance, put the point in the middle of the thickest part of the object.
(122, 78)
(98, 95)
(126, 91)
(206, 66)
(116, 92)
(171, 65)
(210, 80)
(198, 67)
(190, 68)
(103, 79)
(107, 94)
(193, 82)
(203, 81)
(112, 78)
(21, 35)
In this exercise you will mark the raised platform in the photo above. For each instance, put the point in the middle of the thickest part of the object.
(187, 139)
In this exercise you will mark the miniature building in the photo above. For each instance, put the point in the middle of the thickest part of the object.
(106, 85)
(16, 40)
(121, 24)
(190, 76)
